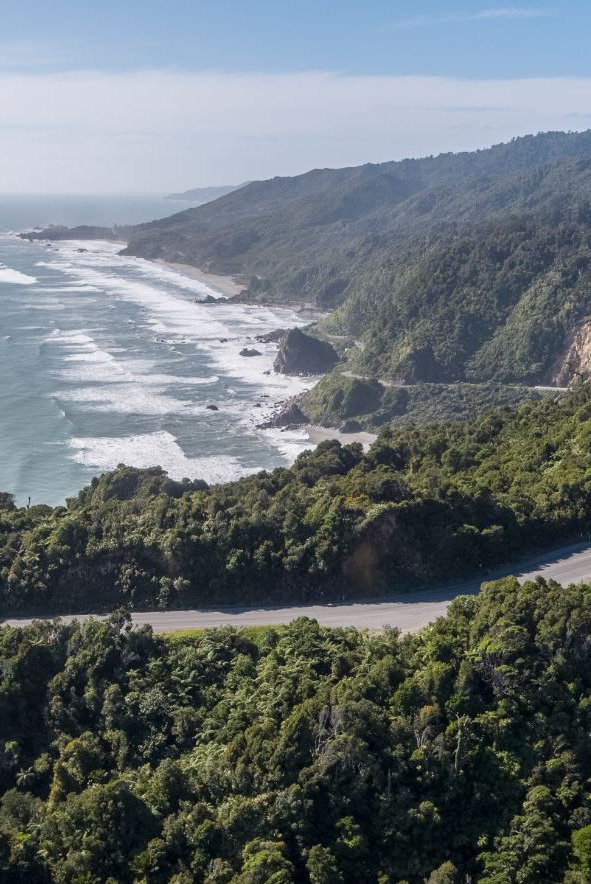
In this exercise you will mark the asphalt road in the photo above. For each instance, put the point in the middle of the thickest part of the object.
(409, 612)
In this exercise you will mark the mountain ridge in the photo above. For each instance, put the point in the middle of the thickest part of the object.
(202, 195)
(469, 267)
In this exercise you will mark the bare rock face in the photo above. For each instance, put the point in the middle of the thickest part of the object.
(577, 361)
(301, 354)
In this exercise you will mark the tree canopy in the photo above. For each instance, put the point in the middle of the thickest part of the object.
(423, 504)
(302, 754)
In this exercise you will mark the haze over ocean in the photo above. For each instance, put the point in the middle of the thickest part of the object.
(112, 361)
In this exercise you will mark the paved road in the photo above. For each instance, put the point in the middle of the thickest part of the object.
(386, 383)
(571, 564)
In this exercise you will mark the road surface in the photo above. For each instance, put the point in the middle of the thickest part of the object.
(409, 612)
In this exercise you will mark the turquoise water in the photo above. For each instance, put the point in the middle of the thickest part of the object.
(108, 360)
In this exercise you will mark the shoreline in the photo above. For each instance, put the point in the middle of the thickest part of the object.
(226, 285)
(229, 286)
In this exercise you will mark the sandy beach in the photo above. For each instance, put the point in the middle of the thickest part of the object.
(317, 434)
(227, 285)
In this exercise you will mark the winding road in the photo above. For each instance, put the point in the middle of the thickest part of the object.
(408, 612)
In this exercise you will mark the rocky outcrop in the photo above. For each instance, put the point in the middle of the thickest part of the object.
(287, 414)
(301, 354)
(272, 337)
(250, 351)
(576, 364)
(57, 232)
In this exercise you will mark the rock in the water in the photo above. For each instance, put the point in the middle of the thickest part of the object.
(301, 354)
(212, 407)
(272, 337)
(250, 351)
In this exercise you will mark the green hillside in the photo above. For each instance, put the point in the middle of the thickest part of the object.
(462, 267)
(468, 267)
(423, 505)
(496, 303)
(338, 399)
(310, 236)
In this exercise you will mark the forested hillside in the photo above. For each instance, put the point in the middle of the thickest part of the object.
(462, 267)
(500, 302)
(303, 754)
(309, 237)
(422, 505)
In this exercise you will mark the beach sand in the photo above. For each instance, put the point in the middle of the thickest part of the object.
(227, 285)
(316, 435)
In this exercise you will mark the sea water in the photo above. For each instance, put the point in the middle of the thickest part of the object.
(106, 359)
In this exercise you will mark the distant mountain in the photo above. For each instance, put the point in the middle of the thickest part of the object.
(308, 238)
(202, 195)
(461, 267)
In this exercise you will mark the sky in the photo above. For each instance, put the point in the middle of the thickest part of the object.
(123, 96)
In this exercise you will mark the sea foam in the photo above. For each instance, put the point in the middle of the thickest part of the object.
(15, 277)
(154, 449)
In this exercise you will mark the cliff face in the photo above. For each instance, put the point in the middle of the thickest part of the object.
(577, 361)
(301, 354)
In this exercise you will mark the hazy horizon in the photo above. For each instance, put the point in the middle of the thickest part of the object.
(164, 192)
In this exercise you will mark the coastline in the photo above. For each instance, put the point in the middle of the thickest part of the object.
(227, 285)
(230, 288)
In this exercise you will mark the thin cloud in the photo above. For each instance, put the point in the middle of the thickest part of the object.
(495, 14)
(514, 12)
(165, 131)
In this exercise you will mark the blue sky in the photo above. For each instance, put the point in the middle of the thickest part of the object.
(477, 39)
(157, 95)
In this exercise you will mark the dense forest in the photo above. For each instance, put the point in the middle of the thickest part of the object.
(499, 303)
(423, 504)
(303, 754)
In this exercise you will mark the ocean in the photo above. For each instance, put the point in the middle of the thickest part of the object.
(106, 360)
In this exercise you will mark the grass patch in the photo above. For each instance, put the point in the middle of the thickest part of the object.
(256, 634)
